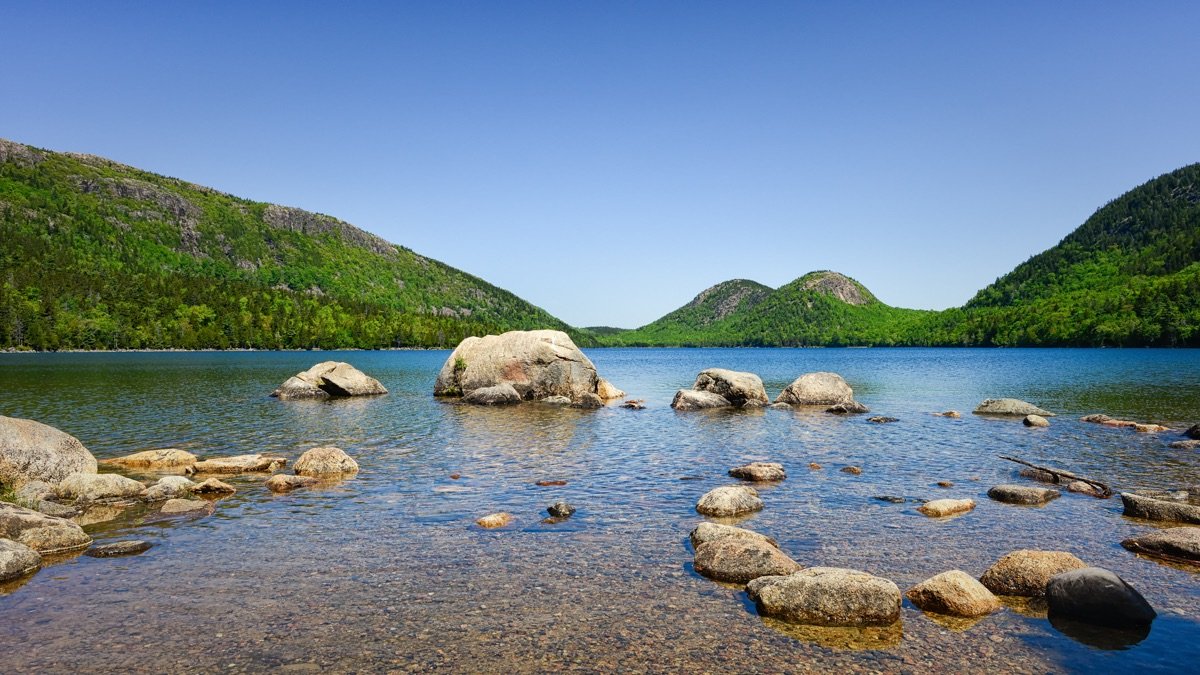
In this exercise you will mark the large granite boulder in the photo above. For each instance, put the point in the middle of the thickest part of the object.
(824, 389)
(736, 387)
(690, 399)
(1097, 596)
(93, 486)
(1026, 572)
(1180, 544)
(31, 450)
(154, 460)
(500, 394)
(728, 501)
(45, 534)
(536, 363)
(1011, 407)
(1140, 506)
(326, 379)
(955, 593)
(828, 596)
(737, 561)
(706, 532)
(328, 461)
(17, 560)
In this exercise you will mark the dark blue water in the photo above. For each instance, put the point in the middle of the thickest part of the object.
(387, 571)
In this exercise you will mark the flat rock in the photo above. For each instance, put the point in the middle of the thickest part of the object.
(938, 508)
(828, 596)
(759, 472)
(499, 394)
(118, 548)
(537, 363)
(93, 486)
(1026, 572)
(1139, 506)
(706, 532)
(282, 482)
(1021, 494)
(17, 560)
(738, 561)
(850, 408)
(326, 461)
(44, 534)
(882, 419)
(31, 450)
(690, 399)
(730, 500)
(634, 404)
(55, 509)
(817, 389)
(955, 593)
(187, 506)
(1097, 596)
(494, 520)
(1035, 421)
(212, 486)
(1185, 445)
(606, 391)
(734, 386)
(241, 464)
(1139, 427)
(1179, 544)
(1010, 406)
(891, 499)
(166, 458)
(327, 379)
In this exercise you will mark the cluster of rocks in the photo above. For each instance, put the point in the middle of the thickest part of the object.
(1139, 427)
(721, 388)
(559, 511)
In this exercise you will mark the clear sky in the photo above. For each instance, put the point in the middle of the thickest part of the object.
(609, 160)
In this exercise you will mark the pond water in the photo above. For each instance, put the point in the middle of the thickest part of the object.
(387, 571)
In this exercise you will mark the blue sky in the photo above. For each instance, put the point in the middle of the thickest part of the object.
(609, 160)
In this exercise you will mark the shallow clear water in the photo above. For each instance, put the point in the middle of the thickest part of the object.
(388, 571)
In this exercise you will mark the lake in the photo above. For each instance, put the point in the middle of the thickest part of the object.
(388, 572)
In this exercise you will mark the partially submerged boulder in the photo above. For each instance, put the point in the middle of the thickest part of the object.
(706, 532)
(31, 450)
(939, 508)
(1105, 420)
(734, 386)
(169, 487)
(828, 596)
(825, 389)
(119, 548)
(327, 379)
(241, 464)
(1022, 494)
(690, 399)
(1035, 421)
(1097, 596)
(1178, 544)
(955, 593)
(195, 506)
(45, 534)
(326, 461)
(93, 486)
(759, 472)
(494, 520)
(738, 561)
(1010, 406)
(17, 560)
(851, 408)
(536, 363)
(730, 500)
(212, 486)
(500, 394)
(1026, 572)
(1150, 508)
(166, 458)
(282, 482)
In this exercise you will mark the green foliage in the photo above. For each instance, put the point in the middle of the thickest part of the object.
(98, 255)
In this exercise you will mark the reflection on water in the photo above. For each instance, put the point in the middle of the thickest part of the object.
(388, 572)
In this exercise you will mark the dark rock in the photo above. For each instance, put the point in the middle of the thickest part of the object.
(1038, 475)
(634, 404)
(1149, 508)
(118, 548)
(741, 560)
(881, 419)
(1096, 595)
(550, 483)
(561, 510)
(891, 499)
(1020, 494)
(1179, 544)
(945, 484)
(850, 408)
(759, 471)
(1193, 432)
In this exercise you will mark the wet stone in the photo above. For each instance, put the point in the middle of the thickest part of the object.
(731, 500)
(891, 499)
(939, 508)
(852, 470)
(561, 510)
(1021, 494)
(738, 561)
(882, 419)
(1098, 596)
(118, 548)
(1026, 572)
(1179, 544)
(706, 532)
(759, 472)
(494, 520)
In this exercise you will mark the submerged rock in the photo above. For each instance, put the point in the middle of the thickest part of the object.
(17, 560)
(738, 561)
(939, 508)
(955, 593)
(1139, 506)
(561, 510)
(828, 596)
(31, 451)
(326, 379)
(1035, 421)
(1179, 544)
(1021, 494)
(494, 520)
(1038, 475)
(500, 394)
(690, 399)
(731, 500)
(1026, 572)
(118, 548)
(1097, 596)
(167, 458)
(45, 534)
(187, 506)
(1123, 424)
(1010, 406)
(241, 464)
(852, 470)
(759, 472)
(736, 387)
(1185, 445)
(93, 486)
(817, 389)
(1084, 488)
(537, 363)
(706, 532)
(326, 461)
(635, 404)
(282, 482)
(850, 408)
(953, 414)
(881, 419)
(891, 499)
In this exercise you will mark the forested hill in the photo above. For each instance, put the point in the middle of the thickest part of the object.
(99, 255)
(1129, 276)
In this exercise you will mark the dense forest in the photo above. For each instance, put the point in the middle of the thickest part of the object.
(98, 255)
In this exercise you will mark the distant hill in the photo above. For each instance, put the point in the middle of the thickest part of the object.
(818, 309)
(99, 255)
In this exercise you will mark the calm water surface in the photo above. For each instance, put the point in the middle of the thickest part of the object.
(388, 572)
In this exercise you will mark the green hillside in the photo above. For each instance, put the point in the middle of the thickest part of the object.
(99, 255)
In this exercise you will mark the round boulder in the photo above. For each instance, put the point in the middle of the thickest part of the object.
(1179, 544)
(1010, 406)
(17, 560)
(31, 450)
(706, 532)
(738, 561)
(731, 500)
(817, 389)
(828, 596)
(736, 387)
(1026, 572)
(759, 472)
(1021, 494)
(1097, 596)
(1035, 421)
(328, 461)
(955, 593)
(537, 363)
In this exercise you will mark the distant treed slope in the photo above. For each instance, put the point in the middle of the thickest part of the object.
(1129, 276)
(99, 255)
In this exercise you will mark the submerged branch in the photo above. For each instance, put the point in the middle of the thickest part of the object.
(1059, 475)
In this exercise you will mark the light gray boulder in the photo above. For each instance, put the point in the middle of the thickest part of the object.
(1139, 506)
(822, 388)
(1011, 407)
(536, 363)
(169, 487)
(327, 461)
(736, 387)
(45, 534)
(327, 379)
(828, 596)
(93, 486)
(257, 463)
(690, 399)
(737, 561)
(730, 500)
(17, 560)
(155, 460)
(500, 394)
(31, 450)
(1097, 596)
(1035, 421)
